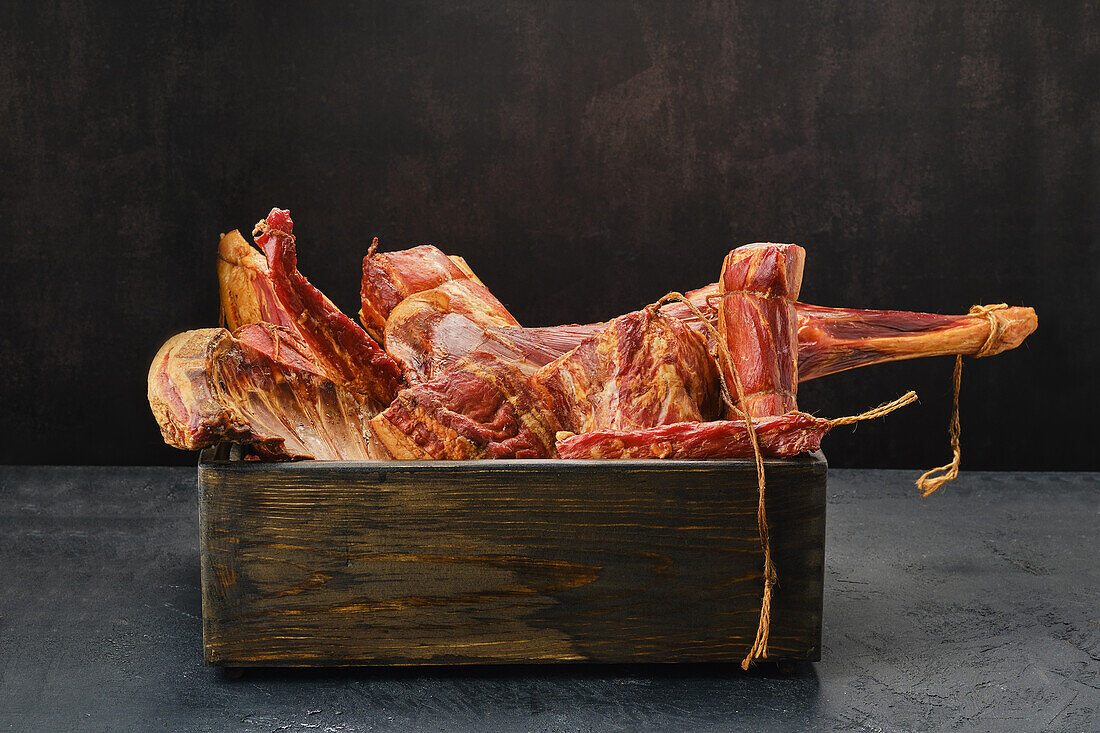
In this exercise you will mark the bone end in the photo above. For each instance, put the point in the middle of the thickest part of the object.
(1016, 324)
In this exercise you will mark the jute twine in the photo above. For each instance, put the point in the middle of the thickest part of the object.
(273, 330)
(262, 227)
(929, 480)
(759, 649)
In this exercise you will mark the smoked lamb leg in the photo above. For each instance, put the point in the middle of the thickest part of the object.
(832, 340)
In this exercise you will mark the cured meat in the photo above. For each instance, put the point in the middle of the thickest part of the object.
(829, 339)
(246, 289)
(756, 319)
(780, 436)
(295, 378)
(418, 327)
(644, 369)
(415, 299)
(833, 340)
(253, 292)
(445, 338)
(259, 388)
(483, 407)
(182, 394)
(390, 277)
(337, 344)
(542, 345)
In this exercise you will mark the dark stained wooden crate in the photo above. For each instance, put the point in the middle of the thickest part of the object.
(458, 562)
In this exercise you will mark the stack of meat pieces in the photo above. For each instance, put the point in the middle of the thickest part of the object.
(440, 369)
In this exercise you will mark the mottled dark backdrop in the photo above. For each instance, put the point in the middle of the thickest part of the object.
(584, 157)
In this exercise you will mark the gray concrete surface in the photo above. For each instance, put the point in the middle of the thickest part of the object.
(976, 609)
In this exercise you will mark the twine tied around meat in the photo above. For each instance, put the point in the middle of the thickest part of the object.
(929, 480)
(273, 331)
(759, 647)
(262, 227)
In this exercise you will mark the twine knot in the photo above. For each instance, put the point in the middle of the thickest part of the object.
(996, 326)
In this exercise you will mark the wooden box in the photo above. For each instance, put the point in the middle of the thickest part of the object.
(460, 562)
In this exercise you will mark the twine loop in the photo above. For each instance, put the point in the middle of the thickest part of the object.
(934, 478)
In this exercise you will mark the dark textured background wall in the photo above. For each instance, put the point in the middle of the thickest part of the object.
(584, 157)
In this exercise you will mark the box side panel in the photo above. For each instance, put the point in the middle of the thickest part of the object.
(216, 567)
(459, 564)
(797, 525)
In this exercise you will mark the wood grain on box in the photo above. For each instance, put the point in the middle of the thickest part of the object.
(441, 562)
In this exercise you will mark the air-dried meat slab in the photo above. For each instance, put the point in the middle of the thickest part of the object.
(442, 339)
(779, 436)
(254, 289)
(757, 321)
(482, 407)
(182, 394)
(423, 328)
(343, 349)
(644, 369)
(258, 388)
(390, 277)
(245, 286)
